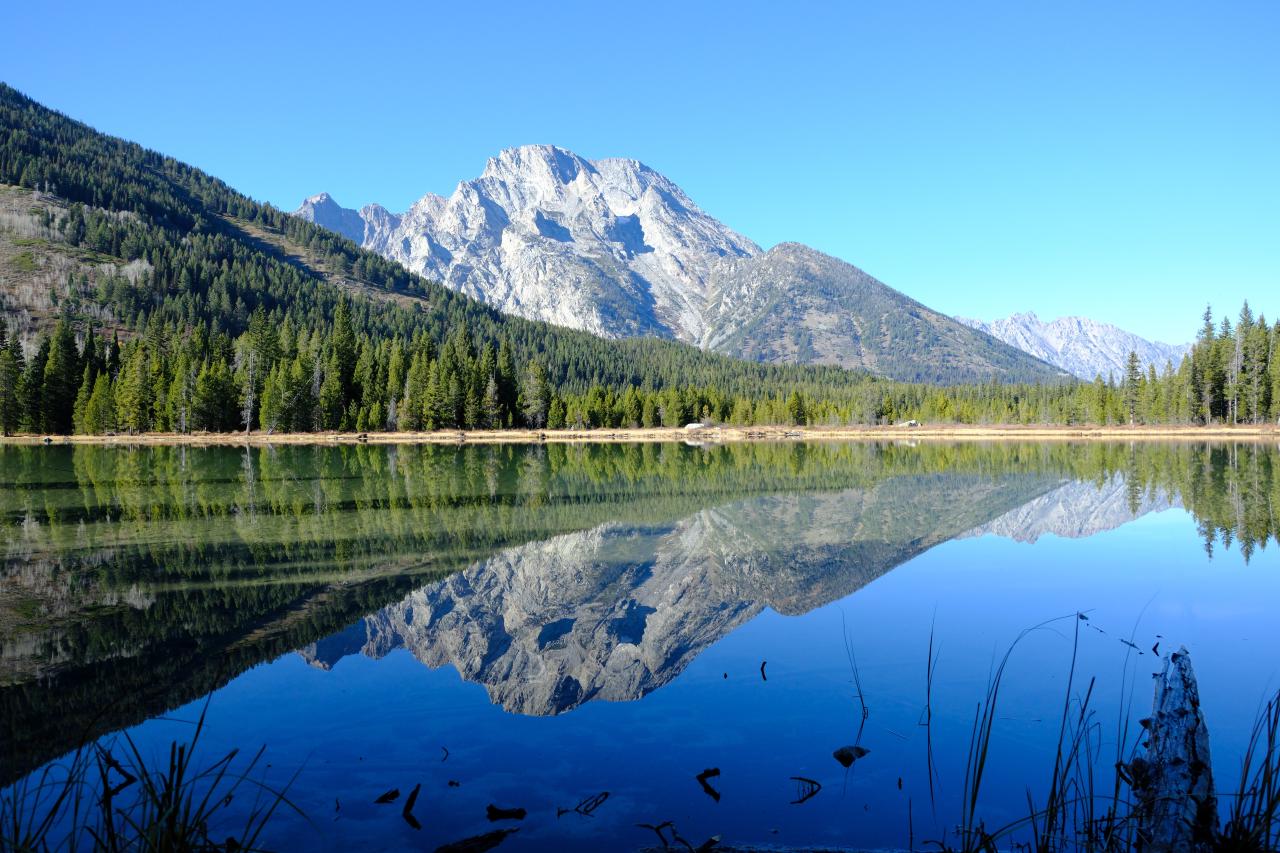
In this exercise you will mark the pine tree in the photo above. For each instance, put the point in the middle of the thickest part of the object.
(649, 415)
(1274, 369)
(214, 406)
(271, 408)
(556, 414)
(133, 391)
(796, 409)
(1205, 368)
(535, 395)
(11, 366)
(31, 389)
(344, 351)
(300, 401)
(113, 355)
(329, 405)
(80, 412)
(491, 405)
(1254, 386)
(100, 416)
(61, 379)
(508, 391)
(1132, 386)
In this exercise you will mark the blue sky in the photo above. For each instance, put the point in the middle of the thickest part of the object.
(1118, 160)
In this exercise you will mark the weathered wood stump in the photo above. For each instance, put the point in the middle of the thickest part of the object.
(1177, 809)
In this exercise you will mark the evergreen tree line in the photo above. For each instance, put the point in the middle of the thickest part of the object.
(1230, 376)
(284, 378)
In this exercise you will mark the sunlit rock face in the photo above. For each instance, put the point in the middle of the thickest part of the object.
(609, 246)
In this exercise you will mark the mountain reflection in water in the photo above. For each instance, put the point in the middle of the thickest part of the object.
(136, 580)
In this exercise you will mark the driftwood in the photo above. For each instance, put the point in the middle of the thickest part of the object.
(1173, 783)
(709, 773)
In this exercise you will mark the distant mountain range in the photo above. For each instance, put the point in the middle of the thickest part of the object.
(615, 248)
(1084, 348)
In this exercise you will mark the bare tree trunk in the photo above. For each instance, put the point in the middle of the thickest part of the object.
(1177, 808)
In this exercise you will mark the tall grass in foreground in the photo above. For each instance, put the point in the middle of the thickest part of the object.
(1253, 821)
(124, 805)
(1069, 818)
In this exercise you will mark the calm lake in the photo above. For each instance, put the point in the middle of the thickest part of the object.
(529, 626)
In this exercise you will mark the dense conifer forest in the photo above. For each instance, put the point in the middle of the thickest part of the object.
(237, 316)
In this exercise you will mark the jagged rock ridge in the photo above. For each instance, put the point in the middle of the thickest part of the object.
(1083, 347)
(609, 246)
(615, 248)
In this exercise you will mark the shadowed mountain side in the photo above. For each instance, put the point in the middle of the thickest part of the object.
(615, 612)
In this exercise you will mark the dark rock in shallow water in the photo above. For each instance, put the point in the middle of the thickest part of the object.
(846, 755)
(495, 813)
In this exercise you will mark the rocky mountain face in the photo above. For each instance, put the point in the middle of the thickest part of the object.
(617, 611)
(796, 304)
(609, 246)
(613, 247)
(1084, 348)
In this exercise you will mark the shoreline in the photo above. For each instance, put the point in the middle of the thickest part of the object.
(705, 435)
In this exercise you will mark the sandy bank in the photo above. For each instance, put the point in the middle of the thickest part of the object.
(948, 432)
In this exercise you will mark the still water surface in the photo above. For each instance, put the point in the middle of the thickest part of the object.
(542, 624)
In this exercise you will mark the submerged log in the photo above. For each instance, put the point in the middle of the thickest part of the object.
(1173, 783)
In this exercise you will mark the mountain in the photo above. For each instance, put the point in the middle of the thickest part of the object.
(608, 246)
(617, 249)
(1083, 347)
(107, 235)
(795, 304)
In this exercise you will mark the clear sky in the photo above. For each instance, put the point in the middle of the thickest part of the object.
(1119, 160)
